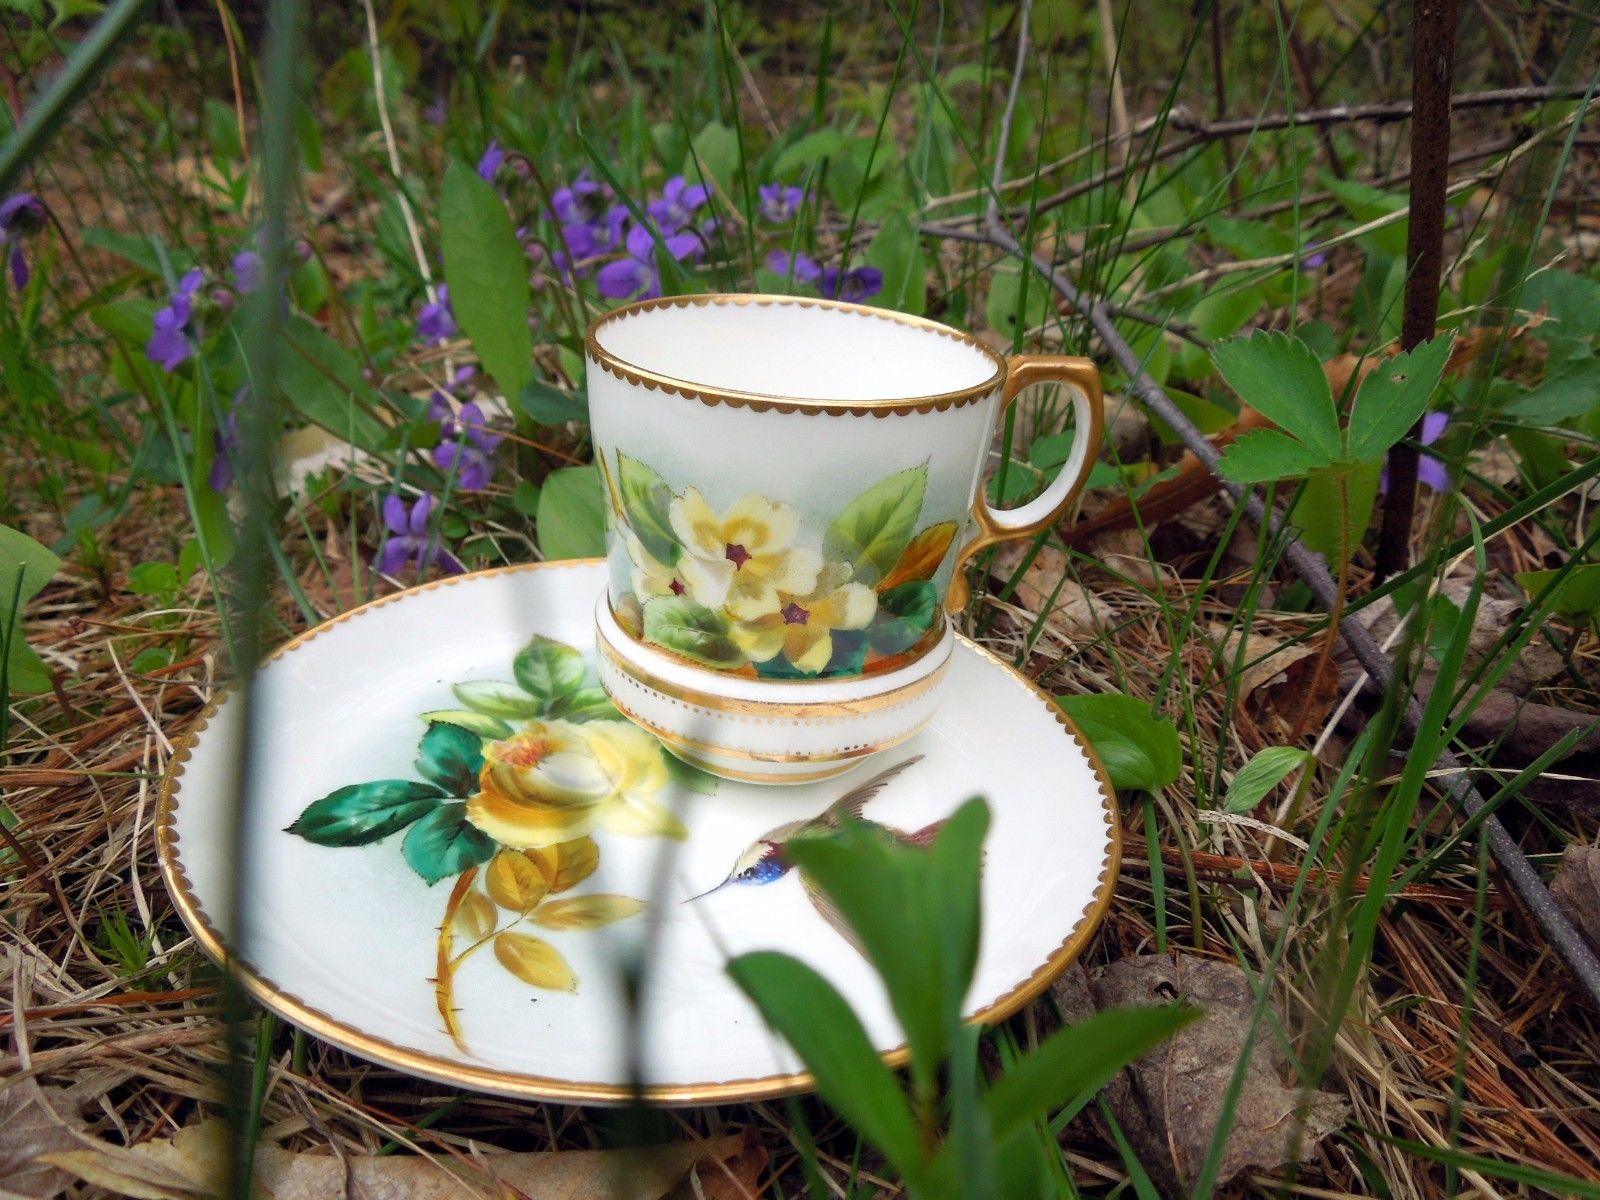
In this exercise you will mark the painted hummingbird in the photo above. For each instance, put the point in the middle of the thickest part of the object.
(764, 861)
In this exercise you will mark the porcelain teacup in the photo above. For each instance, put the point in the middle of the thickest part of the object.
(793, 487)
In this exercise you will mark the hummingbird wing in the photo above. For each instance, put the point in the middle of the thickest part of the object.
(853, 801)
(829, 913)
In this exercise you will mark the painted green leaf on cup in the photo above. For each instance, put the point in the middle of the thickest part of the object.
(1137, 750)
(451, 757)
(444, 844)
(485, 726)
(546, 669)
(875, 528)
(366, 812)
(496, 698)
(905, 613)
(645, 498)
(586, 704)
(692, 630)
(535, 962)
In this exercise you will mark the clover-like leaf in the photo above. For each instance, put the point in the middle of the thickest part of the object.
(692, 630)
(495, 698)
(444, 843)
(366, 812)
(644, 501)
(547, 669)
(535, 962)
(875, 528)
(516, 882)
(451, 757)
(1264, 455)
(1393, 397)
(586, 912)
(1279, 376)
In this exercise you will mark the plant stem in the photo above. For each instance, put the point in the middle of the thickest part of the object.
(1335, 614)
(444, 976)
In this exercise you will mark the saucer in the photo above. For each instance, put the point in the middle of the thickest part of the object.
(455, 848)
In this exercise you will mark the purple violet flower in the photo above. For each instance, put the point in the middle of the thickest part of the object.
(588, 240)
(408, 539)
(437, 321)
(1431, 472)
(635, 276)
(20, 216)
(584, 200)
(1314, 259)
(468, 450)
(679, 202)
(246, 271)
(437, 113)
(489, 165)
(225, 441)
(856, 285)
(780, 202)
(802, 267)
(172, 343)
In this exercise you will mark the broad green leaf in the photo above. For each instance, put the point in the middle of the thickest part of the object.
(645, 497)
(691, 630)
(487, 271)
(688, 776)
(1577, 594)
(1266, 770)
(586, 704)
(484, 726)
(323, 383)
(1573, 392)
(1078, 1059)
(905, 613)
(1571, 300)
(952, 895)
(1208, 418)
(25, 567)
(572, 514)
(451, 757)
(874, 528)
(1280, 378)
(1393, 397)
(1008, 311)
(716, 151)
(547, 669)
(366, 812)
(806, 152)
(1316, 512)
(1136, 749)
(534, 961)
(495, 698)
(811, 1015)
(550, 405)
(443, 843)
(136, 250)
(1264, 455)
(897, 252)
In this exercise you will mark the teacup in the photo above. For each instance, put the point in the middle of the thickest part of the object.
(793, 487)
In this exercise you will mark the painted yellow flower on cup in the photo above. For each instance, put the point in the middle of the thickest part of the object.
(741, 561)
(802, 628)
(554, 781)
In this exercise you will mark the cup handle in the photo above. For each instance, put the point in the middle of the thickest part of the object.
(1082, 379)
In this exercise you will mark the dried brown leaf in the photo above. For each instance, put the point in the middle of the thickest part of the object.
(1169, 1103)
(35, 1122)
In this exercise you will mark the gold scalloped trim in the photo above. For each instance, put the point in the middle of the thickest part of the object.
(458, 1074)
(628, 372)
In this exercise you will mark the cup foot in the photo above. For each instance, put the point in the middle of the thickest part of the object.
(774, 773)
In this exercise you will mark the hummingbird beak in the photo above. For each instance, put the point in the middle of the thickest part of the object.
(708, 891)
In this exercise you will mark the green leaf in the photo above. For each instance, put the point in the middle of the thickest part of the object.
(572, 514)
(645, 500)
(1577, 594)
(494, 698)
(1076, 1060)
(811, 1015)
(1264, 455)
(1266, 770)
(1574, 392)
(688, 776)
(443, 844)
(25, 567)
(323, 383)
(492, 728)
(366, 812)
(690, 629)
(897, 252)
(135, 250)
(451, 757)
(586, 704)
(874, 528)
(1008, 311)
(487, 271)
(1136, 749)
(716, 151)
(905, 613)
(1316, 512)
(1393, 397)
(1280, 378)
(547, 669)
(806, 152)
(549, 405)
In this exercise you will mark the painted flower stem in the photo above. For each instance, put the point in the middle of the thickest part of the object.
(444, 977)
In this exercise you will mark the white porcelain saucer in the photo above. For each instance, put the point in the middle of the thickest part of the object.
(455, 731)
